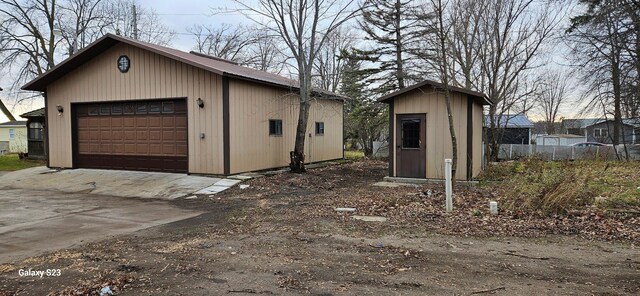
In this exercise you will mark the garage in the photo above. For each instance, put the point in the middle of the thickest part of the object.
(124, 104)
(132, 135)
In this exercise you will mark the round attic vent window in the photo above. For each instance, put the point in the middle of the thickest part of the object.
(123, 63)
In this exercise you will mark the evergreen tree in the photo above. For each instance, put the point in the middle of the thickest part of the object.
(390, 26)
(365, 119)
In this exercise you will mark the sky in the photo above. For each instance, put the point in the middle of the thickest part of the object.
(179, 16)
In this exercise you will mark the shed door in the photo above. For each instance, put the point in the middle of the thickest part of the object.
(411, 156)
(141, 135)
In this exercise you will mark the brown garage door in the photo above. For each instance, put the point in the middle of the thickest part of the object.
(141, 135)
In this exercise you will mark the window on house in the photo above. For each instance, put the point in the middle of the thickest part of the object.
(275, 127)
(320, 128)
(410, 134)
(36, 131)
(600, 132)
(12, 134)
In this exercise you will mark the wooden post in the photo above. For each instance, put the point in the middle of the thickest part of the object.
(448, 187)
(553, 155)
(510, 151)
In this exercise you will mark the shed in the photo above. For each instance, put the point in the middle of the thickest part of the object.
(36, 141)
(419, 131)
(515, 128)
(120, 103)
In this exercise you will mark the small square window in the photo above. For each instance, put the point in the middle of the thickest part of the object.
(319, 128)
(116, 109)
(155, 107)
(275, 127)
(105, 109)
(142, 108)
(129, 108)
(94, 110)
(168, 107)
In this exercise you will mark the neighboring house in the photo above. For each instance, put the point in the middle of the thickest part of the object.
(35, 133)
(577, 126)
(601, 131)
(419, 131)
(13, 137)
(120, 103)
(559, 140)
(514, 129)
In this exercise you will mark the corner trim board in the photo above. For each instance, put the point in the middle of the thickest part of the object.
(469, 138)
(225, 125)
(392, 146)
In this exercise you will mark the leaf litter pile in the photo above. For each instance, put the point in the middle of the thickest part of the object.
(312, 197)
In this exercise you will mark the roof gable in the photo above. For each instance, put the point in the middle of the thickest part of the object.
(218, 66)
(478, 96)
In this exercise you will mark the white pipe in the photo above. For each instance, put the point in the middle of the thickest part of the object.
(448, 186)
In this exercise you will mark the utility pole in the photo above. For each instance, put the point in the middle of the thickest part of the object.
(135, 22)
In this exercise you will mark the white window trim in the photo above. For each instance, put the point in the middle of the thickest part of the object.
(12, 134)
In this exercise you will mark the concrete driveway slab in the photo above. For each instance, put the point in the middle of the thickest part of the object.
(34, 221)
(108, 182)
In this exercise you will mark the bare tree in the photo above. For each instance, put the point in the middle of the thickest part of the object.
(551, 95)
(443, 46)
(27, 41)
(141, 23)
(226, 41)
(329, 65)
(304, 26)
(511, 37)
(605, 46)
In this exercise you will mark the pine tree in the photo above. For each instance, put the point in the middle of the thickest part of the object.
(390, 25)
(365, 119)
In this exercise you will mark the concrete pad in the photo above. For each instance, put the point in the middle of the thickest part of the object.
(240, 177)
(34, 221)
(107, 182)
(212, 189)
(392, 184)
(426, 181)
(227, 182)
(370, 218)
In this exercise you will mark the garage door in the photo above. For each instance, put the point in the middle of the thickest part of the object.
(141, 135)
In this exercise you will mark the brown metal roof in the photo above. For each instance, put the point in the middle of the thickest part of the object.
(478, 96)
(34, 113)
(105, 42)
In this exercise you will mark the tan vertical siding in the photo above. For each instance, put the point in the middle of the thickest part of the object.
(251, 106)
(438, 146)
(150, 76)
(478, 119)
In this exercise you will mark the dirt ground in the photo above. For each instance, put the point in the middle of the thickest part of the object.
(282, 236)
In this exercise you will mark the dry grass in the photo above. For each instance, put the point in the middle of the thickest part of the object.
(562, 187)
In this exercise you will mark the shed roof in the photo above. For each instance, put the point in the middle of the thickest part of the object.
(478, 96)
(510, 121)
(209, 63)
(34, 113)
(13, 123)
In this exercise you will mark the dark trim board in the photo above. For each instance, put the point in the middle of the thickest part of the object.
(469, 157)
(226, 134)
(392, 146)
(46, 127)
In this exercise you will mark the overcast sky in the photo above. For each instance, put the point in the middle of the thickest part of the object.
(179, 16)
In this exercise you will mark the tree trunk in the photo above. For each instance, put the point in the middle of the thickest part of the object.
(297, 155)
(399, 63)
